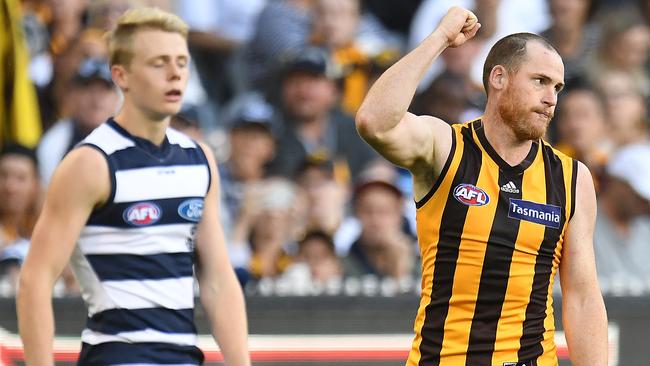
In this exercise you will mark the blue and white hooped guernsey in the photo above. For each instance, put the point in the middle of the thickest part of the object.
(134, 258)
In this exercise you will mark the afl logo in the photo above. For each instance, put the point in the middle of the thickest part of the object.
(142, 214)
(471, 195)
(191, 210)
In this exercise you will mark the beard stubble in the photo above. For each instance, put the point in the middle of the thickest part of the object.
(518, 119)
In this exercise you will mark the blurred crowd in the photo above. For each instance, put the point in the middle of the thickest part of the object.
(307, 206)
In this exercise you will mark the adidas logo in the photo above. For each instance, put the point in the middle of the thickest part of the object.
(509, 188)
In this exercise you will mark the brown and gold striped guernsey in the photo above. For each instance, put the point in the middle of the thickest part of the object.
(491, 240)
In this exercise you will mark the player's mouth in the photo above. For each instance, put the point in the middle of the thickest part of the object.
(545, 114)
(173, 95)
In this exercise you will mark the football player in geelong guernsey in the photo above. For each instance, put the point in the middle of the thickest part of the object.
(499, 211)
(134, 209)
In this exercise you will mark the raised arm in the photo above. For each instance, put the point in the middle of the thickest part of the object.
(221, 295)
(79, 184)
(383, 121)
(583, 309)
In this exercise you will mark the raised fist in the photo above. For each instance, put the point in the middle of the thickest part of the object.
(458, 26)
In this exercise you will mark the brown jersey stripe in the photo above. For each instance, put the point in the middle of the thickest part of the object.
(442, 174)
(428, 229)
(468, 269)
(533, 327)
(529, 238)
(494, 277)
(574, 178)
(451, 227)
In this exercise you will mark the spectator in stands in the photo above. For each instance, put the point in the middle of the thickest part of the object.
(625, 107)
(316, 263)
(623, 222)
(264, 229)
(55, 100)
(325, 198)
(582, 127)
(94, 98)
(624, 47)
(66, 23)
(448, 96)
(20, 195)
(187, 122)
(252, 146)
(573, 34)
(282, 26)
(218, 31)
(498, 18)
(382, 248)
(103, 14)
(335, 27)
(312, 125)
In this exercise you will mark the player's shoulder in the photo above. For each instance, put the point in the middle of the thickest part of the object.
(83, 171)
(548, 147)
(107, 139)
(85, 159)
(561, 155)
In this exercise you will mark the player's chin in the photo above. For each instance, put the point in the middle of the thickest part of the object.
(537, 131)
(170, 108)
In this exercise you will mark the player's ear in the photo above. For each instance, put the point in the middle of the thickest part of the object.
(120, 76)
(498, 77)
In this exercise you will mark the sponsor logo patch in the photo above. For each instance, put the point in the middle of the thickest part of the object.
(142, 214)
(543, 214)
(191, 210)
(471, 195)
(509, 187)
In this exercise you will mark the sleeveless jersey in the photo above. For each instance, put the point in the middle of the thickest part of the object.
(491, 238)
(134, 258)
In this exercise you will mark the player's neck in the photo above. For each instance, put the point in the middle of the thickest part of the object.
(504, 141)
(139, 123)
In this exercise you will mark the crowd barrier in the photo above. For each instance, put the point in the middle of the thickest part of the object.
(333, 330)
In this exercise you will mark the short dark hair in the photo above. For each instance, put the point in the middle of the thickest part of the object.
(318, 234)
(20, 150)
(509, 52)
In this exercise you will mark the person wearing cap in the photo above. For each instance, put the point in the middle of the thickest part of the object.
(134, 209)
(312, 124)
(499, 211)
(252, 146)
(623, 222)
(335, 27)
(93, 98)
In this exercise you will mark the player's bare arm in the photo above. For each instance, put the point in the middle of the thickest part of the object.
(584, 316)
(221, 295)
(417, 143)
(79, 184)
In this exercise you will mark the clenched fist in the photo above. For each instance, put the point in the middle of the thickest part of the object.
(458, 26)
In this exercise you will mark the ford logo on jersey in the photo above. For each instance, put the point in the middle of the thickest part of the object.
(142, 214)
(191, 210)
(539, 213)
(471, 195)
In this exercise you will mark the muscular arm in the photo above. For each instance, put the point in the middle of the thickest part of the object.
(584, 316)
(383, 121)
(80, 183)
(221, 295)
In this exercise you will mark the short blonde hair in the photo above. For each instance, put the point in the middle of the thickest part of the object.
(120, 39)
